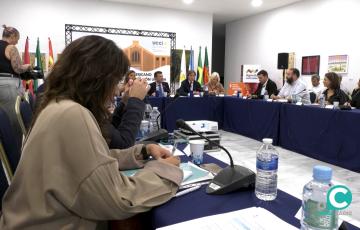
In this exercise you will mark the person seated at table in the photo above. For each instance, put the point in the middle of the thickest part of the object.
(159, 85)
(355, 97)
(333, 91)
(127, 116)
(67, 177)
(316, 87)
(129, 76)
(189, 84)
(293, 87)
(214, 85)
(266, 85)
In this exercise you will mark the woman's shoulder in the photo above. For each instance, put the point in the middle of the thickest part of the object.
(66, 108)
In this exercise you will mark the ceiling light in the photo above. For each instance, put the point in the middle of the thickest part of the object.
(188, 1)
(256, 3)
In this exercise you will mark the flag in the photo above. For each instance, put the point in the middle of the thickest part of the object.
(191, 62)
(51, 56)
(38, 62)
(200, 69)
(206, 68)
(183, 67)
(26, 60)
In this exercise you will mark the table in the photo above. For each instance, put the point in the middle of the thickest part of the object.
(256, 119)
(198, 204)
(196, 108)
(324, 134)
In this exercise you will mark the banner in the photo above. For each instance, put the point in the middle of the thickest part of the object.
(146, 54)
(249, 73)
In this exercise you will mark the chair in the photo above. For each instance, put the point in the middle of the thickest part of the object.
(24, 114)
(12, 148)
(30, 98)
(4, 179)
(312, 97)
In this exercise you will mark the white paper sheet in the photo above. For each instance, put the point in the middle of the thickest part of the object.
(247, 219)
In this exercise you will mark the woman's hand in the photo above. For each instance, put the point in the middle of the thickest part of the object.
(138, 89)
(157, 152)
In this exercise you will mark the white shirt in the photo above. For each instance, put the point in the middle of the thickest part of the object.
(317, 90)
(263, 89)
(298, 87)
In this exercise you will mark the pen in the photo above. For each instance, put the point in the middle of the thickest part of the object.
(186, 191)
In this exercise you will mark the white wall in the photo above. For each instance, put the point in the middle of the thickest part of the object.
(43, 19)
(312, 27)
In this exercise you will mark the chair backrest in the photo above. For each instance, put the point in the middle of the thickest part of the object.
(24, 114)
(312, 97)
(11, 147)
(30, 98)
(4, 183)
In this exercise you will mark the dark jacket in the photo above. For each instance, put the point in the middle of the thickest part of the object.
(125, 123)
(165, 86)
(185, 87)
(355, 98)
(270, 87)
(339, 96)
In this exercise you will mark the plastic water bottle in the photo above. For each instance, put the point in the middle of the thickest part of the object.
(238, 92)
(315, 215)
(266, 167)
(322, 100)
(206, 91)
(144, 129)
(147, 112)
(153, 119)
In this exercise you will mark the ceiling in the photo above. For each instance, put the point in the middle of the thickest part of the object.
(223, 10)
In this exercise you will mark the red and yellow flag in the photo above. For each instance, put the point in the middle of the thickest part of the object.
(26, 60)
(51, 56)
(206, 68)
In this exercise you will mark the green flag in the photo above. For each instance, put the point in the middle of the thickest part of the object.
(200, 69)
(38, 62)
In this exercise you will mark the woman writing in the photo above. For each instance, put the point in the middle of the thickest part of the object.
(67, 177)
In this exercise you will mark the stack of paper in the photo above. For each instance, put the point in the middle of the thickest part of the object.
(251, 218)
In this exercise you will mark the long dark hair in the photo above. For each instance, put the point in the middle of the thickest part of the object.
(87, 72)
(334, 80)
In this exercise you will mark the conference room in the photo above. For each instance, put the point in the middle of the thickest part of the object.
(179, 114)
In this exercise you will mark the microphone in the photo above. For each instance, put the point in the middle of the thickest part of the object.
(229, 179)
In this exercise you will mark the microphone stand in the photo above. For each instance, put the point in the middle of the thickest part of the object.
(229, 179)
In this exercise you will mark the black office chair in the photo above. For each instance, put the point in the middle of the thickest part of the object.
(4, 183)
(11, 146)
(312, 97)
(30, 98)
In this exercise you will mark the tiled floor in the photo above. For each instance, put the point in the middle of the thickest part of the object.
(295, 170)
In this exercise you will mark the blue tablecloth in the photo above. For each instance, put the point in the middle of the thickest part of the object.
(196, 108)
(324, 134)
(256, 119)
(198, 204)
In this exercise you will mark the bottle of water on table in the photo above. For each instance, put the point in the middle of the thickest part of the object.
(153, 119)
(266, 168)
(322, 101)
(315, 215)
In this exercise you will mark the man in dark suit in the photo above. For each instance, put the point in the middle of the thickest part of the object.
(189, 85)
(159, 86)
(266, 86)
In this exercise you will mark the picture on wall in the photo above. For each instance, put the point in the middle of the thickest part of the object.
(249, 73)
(338, 63)
(310, 65)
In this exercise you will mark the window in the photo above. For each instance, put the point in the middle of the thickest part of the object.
(135, 57)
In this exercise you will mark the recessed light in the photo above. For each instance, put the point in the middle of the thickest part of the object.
(256, 3)
(188, 1)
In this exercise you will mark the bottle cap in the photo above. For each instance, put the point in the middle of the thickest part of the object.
(267, 141)
(155, 107)
(322, 173)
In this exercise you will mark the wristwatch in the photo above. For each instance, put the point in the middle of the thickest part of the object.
(144, 153)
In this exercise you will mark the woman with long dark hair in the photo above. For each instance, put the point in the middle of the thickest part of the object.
(67, 177)
(333, 91)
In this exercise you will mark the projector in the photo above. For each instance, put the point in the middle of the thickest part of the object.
(203, 126)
